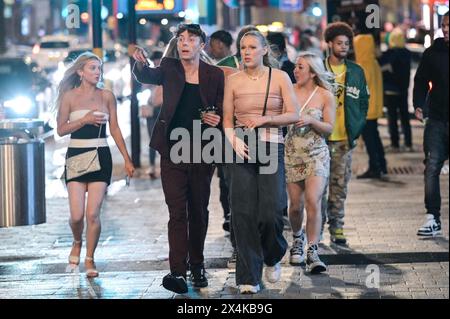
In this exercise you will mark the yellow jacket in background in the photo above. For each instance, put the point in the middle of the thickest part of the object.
(364, 45)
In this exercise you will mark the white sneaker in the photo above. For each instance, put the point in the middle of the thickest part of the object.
(431, 228)
(445, 169)
(273, 273)
(249, 289)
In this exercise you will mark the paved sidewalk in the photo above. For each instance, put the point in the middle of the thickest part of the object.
(381, 224)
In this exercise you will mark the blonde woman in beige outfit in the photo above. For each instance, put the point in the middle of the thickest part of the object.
(257, 198)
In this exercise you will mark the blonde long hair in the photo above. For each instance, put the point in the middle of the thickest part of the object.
(322, 78)
(268, 58)
(71, 77)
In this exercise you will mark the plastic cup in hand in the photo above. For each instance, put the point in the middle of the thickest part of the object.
(207, 110)
(104, 115)
(210, 109)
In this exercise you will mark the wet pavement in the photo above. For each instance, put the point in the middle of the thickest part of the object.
(384, 258)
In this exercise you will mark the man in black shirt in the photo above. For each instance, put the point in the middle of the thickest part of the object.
(189, 84)
(432, 104)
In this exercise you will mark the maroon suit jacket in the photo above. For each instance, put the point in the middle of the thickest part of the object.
(170, 74)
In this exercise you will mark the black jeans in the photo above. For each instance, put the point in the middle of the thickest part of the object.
(223, 186)
(435, 146)
(374, 146)
(222, 172)
(398, 104)
(187, 188)
(257, 204)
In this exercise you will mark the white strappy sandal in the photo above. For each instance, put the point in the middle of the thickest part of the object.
(75, 260)
(91, 272)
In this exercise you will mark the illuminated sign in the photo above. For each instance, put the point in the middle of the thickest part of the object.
(291, 5)
(154, 6)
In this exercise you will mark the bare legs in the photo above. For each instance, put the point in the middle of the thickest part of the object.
(96, 194)
(296, 205)
(307, 194)
(78, 207)
(77, 193)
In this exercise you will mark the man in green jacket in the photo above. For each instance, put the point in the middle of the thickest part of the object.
(352, 97)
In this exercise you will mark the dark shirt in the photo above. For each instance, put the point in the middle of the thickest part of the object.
(433, 68)
(170, 74)
(188, 108)
(188, 111)
(396, 78)
(288, 67)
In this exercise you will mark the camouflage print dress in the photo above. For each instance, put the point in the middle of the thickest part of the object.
(306, 151)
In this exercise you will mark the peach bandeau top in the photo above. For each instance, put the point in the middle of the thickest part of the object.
(252, 104)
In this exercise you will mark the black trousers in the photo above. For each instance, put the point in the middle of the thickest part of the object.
(187, 188)
(223, 174)
(257, 205)
(223, 185)
(435, 145)
(374, 147)
(398, 105)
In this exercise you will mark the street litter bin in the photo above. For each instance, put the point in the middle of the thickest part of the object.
(22, 173)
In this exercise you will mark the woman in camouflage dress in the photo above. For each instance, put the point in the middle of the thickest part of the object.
(307, 157)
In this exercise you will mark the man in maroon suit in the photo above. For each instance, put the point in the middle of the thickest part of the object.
(189, 84)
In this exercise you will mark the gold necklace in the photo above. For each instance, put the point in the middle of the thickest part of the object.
(255, 78)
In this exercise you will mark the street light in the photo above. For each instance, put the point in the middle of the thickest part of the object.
(316, 10)
(442, 10)
(104, 12)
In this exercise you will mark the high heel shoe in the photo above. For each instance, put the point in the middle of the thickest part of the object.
(91, 272)
(75, 260)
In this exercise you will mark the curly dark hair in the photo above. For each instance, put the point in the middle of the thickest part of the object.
(336, 29)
